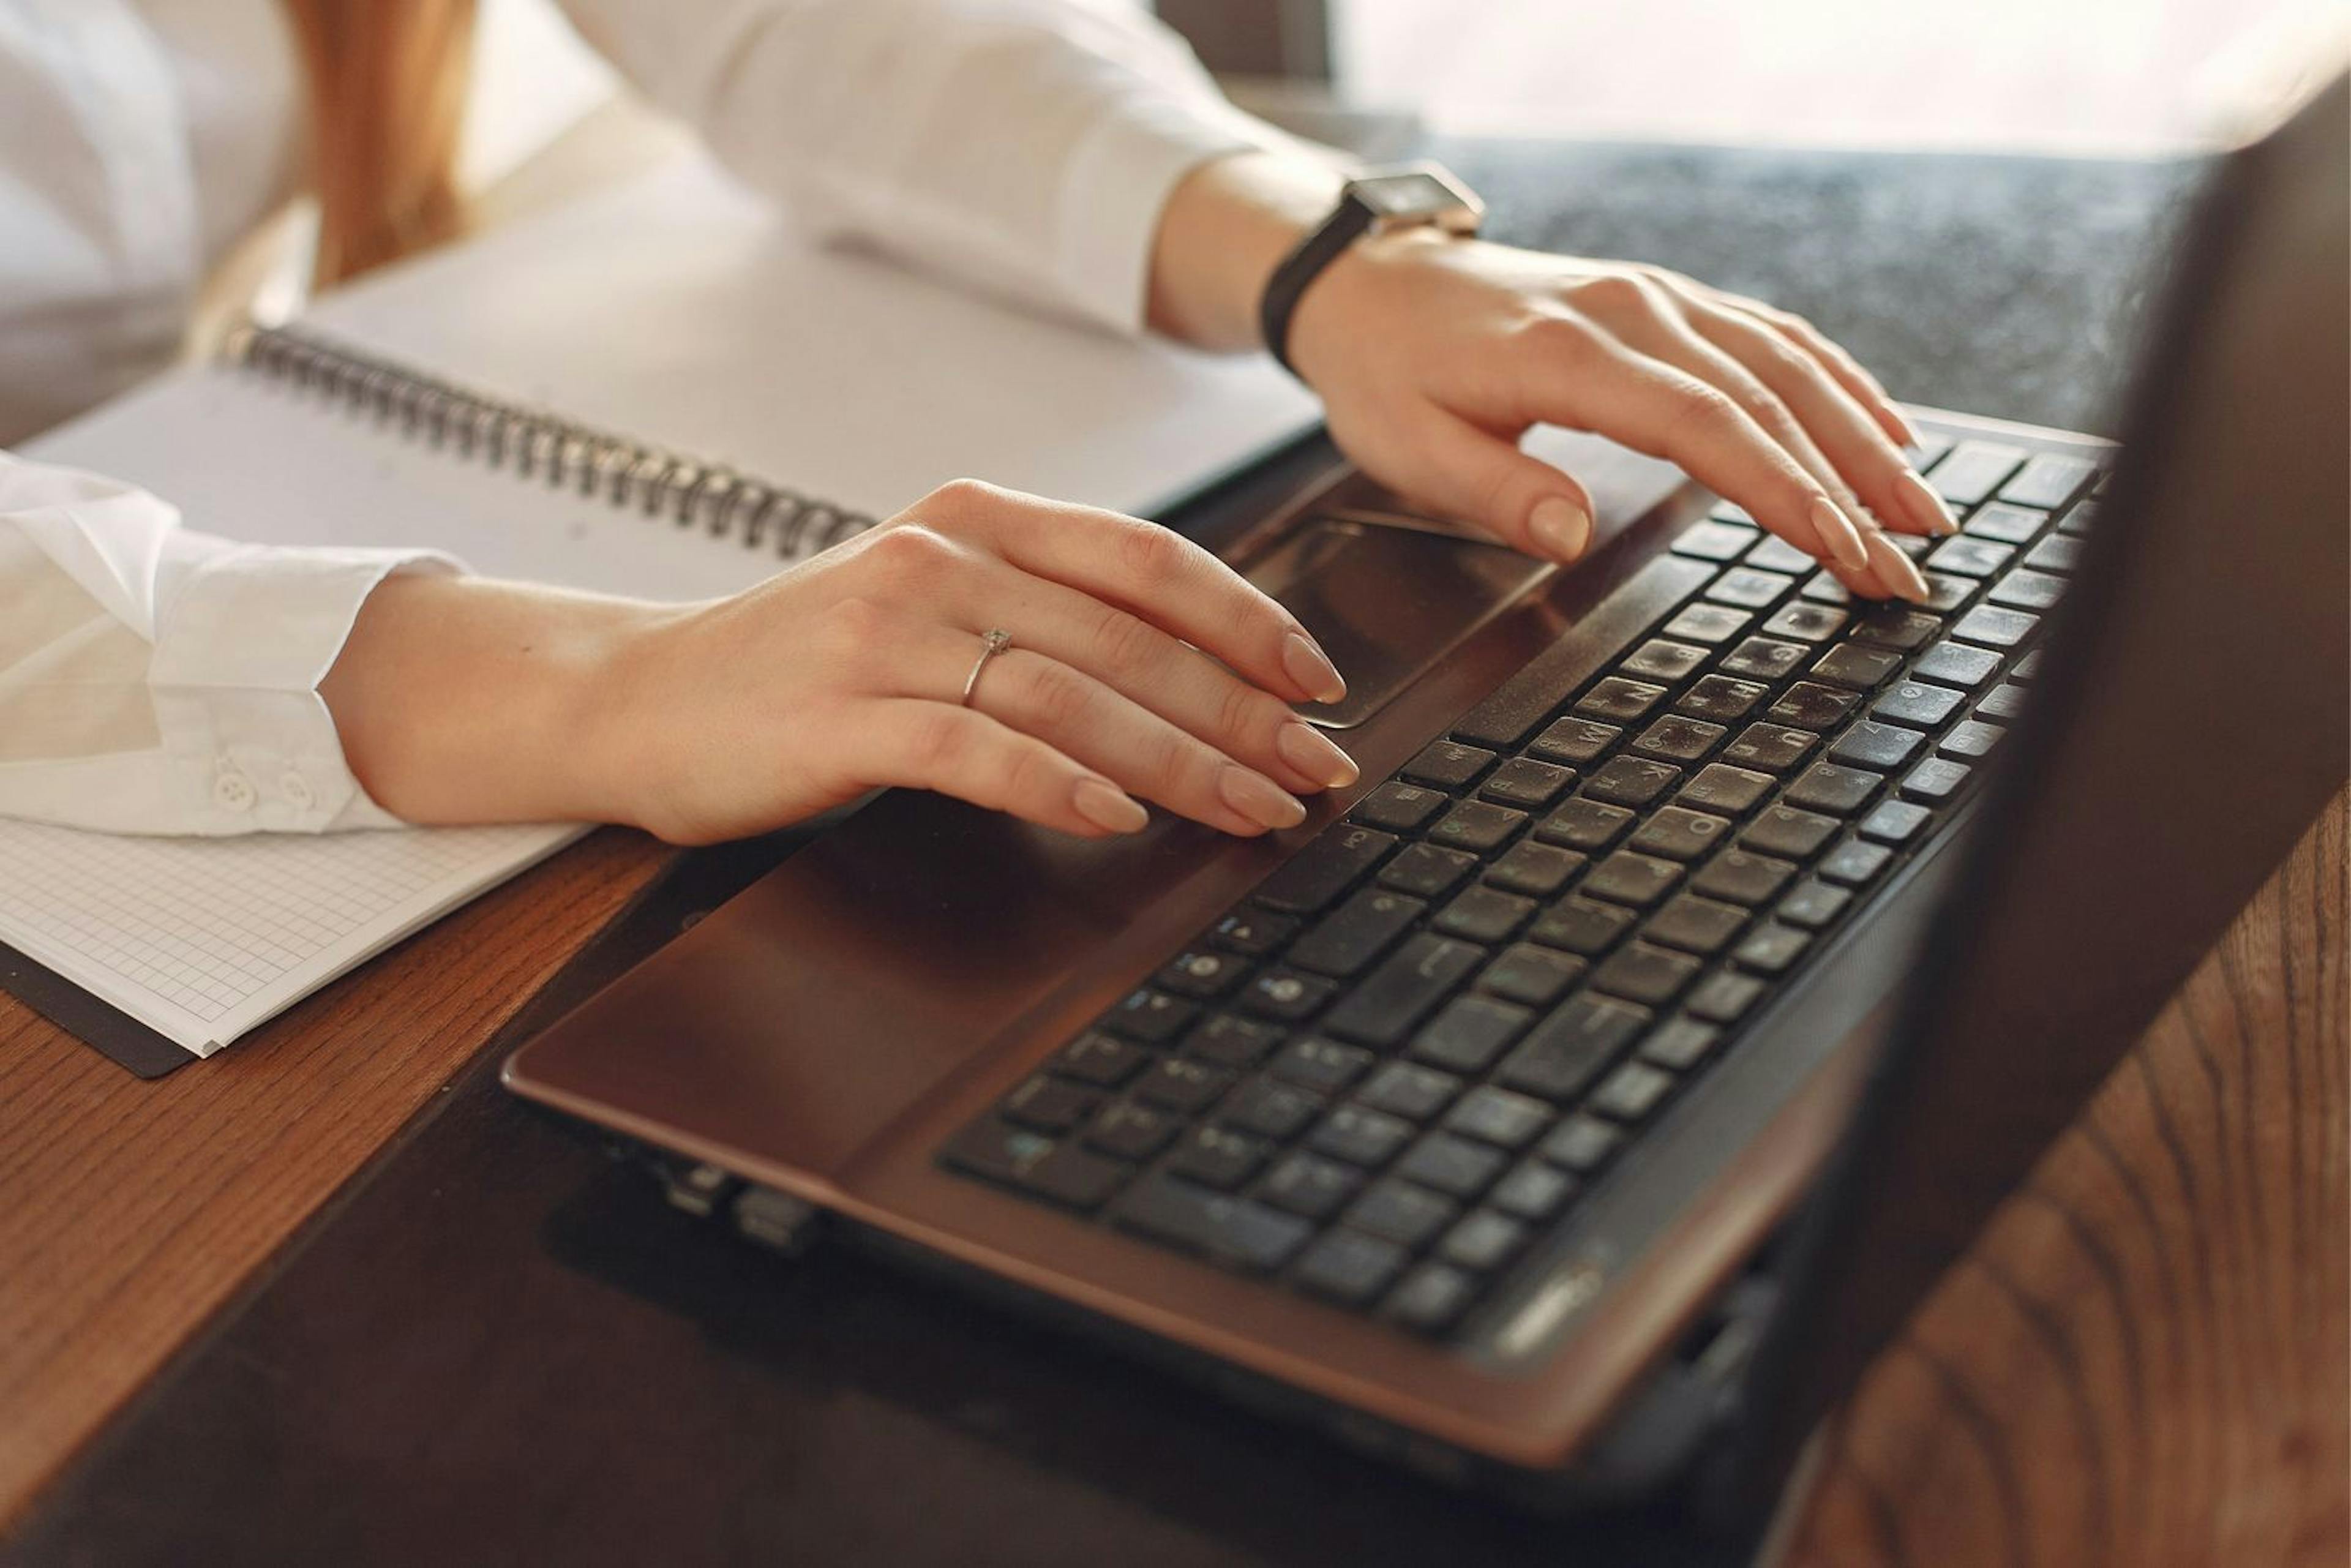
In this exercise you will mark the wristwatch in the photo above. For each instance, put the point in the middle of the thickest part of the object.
(1407, 195)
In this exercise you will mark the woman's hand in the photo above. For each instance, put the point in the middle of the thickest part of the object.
(1140, 666)
(1433, 355)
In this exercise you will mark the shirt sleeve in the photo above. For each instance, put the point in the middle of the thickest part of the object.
(156, 680)
(1022, 146)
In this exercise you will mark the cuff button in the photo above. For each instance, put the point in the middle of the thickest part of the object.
(233, 791)
(296, 791)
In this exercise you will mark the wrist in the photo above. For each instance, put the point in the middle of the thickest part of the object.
(1225, 227)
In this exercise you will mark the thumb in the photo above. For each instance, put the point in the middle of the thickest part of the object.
(1473, 474)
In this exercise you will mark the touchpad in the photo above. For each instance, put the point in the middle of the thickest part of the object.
(1387, 601)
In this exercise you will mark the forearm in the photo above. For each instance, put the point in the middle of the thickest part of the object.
(1224, 228)
(464, 700)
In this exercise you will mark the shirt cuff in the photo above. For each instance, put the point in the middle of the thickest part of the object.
(241, 645)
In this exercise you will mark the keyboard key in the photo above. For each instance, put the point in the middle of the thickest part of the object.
(1964, 555)
(1536, 870)
(1614, 699)
(2078, 521)
(1448, 765)
(1808, 704)
(1151, 1016)
(1822, 588)
(1679, 833)
(1384, 1008)
(1631, 781)
(1970, 738)
(2049, 479)
(2003, 702)
(1576, 740)
(1995, 627)
(1486, 914)
(1324, 1066)
(1427, 870)
(1750, 588)
(1316, 876)
(1583, 1143)
(1073, 1177)
(1535, 976)
(1787, 832)
(1763, 658)
(1826, 787)
(1638, 972)
(1567, 1050)
(1482, 1242)
(1050, 1105)
(1533, 1192)
(1919, 704)
(1930, 451)
(2026, 589)
(1233, 1041)
(1203, 976)
(1628, 878)
(997, 1149)
(1431, 1296)
(1973, 471)
(1311, 1186)
(2056, 553)
(1404, 1214)
(1350, 1268)
(1715, 541)
(1855, 863)
(1946, 593)
(1935, 781)
(2006, 524)
(1677, 738)
(1099, 1060)
(1773, 553)
(1524, 782)
(1732, 512)
(1695, 924)
(1710, 623)
(1416, 1093)
(1217, 1156)
(1182, 1085)
(1253, 932)
(1769, 747)
(1469, 1033)
(1498, 1117)
(1731, 790)
(1361, 1135)
(1452, 1165)
(1869, 744)
(1896, 627)
(1477, 825)
(1721, 699)
(1737, 876)
(1398, 807)
(1862, 669)
(1630, 1092)
(1355, 933)
(1582, 926)
(1286, 995)
(1896, 823)
(1771, 949)
(1232, 1231)
(1957, 665)
(2027, 666)
(1662, 660)
(1127, 1131)
(1813, 904)
(1724, 998)
(1680, 1044)
(1806, 622)
(1584, 824)
(1270, 1108)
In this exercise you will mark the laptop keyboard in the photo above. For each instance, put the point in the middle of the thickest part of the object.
(1425, 1037)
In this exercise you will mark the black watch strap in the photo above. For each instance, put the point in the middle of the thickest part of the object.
(1385, 198)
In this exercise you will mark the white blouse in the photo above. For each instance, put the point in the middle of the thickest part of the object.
(153, 679)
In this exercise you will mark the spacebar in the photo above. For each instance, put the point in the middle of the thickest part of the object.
(1529, 697)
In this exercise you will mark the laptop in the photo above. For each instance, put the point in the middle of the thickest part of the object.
(1575, 1106)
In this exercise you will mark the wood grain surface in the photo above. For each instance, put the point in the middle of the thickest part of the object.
(130, 1211)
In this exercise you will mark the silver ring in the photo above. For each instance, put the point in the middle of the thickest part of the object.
(993, 643)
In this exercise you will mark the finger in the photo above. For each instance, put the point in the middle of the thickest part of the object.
(1083, 719)
(1152, 572)
(1862, 453)
(1450, 465)
(1847, 371)
(959, 752)
(1166, 676)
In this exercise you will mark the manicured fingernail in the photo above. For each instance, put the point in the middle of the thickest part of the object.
(1561, 529)
(1837, 531)
(1925, 507)
(1901, 421)
(1312, 668)
(1108, 807)
(1894, 569)
(1260, 798)
(1310, 751)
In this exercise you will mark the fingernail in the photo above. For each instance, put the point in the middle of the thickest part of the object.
(1925, 507)
(1260, 798)
(1108, 807)
(1312, 668)
(1894, 569)
(1901, 421)
(1561, 529)
(1310, 751)
(1837, 531)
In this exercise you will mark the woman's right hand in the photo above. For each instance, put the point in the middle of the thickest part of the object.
(1140, 666)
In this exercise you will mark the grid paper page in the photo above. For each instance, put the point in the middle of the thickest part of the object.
(201, 939)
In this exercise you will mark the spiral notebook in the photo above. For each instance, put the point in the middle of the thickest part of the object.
(662, 391)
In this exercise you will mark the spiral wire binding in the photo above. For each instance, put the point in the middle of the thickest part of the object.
(533, 443)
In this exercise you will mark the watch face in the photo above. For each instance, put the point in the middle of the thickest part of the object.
(1408, 195)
